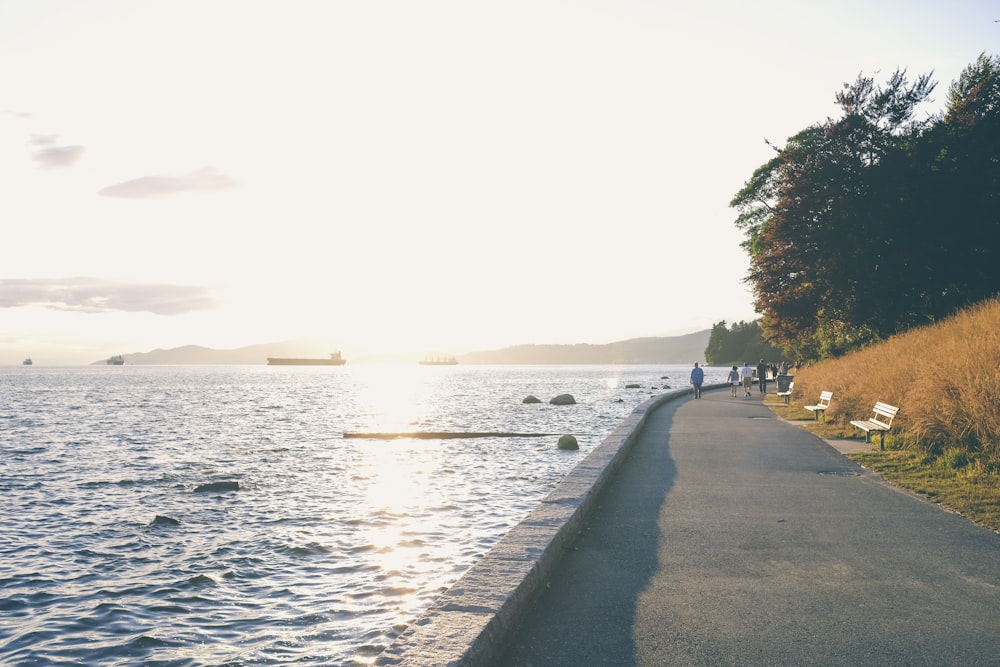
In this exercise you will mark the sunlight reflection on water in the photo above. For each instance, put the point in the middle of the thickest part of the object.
(329, 546)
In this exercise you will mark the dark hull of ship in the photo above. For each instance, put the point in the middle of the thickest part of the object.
(280, 361)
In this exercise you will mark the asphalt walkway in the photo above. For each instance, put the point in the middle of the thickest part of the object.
(731, 537)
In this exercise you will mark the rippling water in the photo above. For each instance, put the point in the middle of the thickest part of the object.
(113, 553)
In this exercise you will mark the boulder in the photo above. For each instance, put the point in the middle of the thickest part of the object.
(568, 442)
(531, 399)
(633, 386)
(563, 399)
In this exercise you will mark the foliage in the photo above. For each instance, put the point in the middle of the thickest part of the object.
(740, 343)
(874, 223)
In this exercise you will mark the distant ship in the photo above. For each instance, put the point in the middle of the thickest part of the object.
(334, 360)
(116, 360)
(439, 361)
(27, 362)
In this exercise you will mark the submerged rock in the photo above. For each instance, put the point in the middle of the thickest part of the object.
(563, 399)
(162, 520)
(531, 399)
(217, 487)
(568, 442)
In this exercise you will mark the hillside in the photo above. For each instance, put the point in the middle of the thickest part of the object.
(667, 350)
(945, 379)
(655, 350)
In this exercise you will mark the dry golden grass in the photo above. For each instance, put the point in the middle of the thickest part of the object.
(945, 379)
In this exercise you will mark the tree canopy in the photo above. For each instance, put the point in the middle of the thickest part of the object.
(877, 221)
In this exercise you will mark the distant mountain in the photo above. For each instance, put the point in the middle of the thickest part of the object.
(667, 350)
(252, 354)
(658, 350)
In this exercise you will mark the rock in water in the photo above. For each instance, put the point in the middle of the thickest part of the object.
(568, 442)
(531, 399)
(217, 487)
(563, 399)
(162, 520)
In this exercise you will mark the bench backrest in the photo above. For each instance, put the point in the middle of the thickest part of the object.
(884, 414)
(825, 397)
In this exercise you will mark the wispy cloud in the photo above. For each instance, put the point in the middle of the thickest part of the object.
(94, 295)
(52, 156)
(149, 187)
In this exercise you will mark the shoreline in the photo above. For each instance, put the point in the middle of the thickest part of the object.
(470, 623)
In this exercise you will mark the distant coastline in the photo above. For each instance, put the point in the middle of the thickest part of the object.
(652, 350)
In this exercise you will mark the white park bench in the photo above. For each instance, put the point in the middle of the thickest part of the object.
(821, 406)
(881, 421)
(787, 395)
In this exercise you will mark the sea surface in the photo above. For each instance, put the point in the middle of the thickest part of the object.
(315, 549)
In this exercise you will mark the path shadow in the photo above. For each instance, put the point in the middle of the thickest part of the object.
(586, 613)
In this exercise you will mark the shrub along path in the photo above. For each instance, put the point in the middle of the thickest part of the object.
(731, 537)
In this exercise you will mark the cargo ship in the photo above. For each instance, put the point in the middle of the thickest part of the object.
(334, 360)
(116, 360)
(439, 361)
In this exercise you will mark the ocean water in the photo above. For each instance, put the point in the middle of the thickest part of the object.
(315, 549)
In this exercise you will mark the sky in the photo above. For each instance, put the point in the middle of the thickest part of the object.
(409, 176)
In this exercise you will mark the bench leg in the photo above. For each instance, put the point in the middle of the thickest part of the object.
(881, 440)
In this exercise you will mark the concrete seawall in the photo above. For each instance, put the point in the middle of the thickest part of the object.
(471, 622)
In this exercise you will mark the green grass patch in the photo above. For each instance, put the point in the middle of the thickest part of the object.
(971, 490)
(956, 479)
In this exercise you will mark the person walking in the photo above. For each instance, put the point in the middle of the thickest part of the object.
(734, 380)
(746, 375)
(762, 377)
(697, 378)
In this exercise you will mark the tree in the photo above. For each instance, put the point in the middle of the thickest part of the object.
(823, 223)
(743, 342)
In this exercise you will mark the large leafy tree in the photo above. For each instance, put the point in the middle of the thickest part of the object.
(860, 227)
(966, 167)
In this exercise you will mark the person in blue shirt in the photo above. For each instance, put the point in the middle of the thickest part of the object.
(697, 378)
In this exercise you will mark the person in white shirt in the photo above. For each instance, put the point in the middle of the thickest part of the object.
(746, 374)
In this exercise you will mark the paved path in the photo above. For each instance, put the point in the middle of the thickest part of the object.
(731, 537)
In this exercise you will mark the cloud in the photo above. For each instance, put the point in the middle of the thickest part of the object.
(58, 156)
(149, 187)
(93, 295)
(52, 156)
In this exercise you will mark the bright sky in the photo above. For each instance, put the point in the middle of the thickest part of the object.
(399, 175)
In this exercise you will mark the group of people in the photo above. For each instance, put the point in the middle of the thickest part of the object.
(740, 377)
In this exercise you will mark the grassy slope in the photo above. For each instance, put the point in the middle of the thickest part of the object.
(945, 378)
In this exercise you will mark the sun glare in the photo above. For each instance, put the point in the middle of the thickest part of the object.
(396, 396)
(395, 475)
